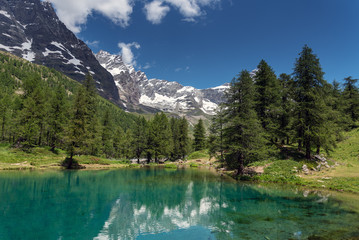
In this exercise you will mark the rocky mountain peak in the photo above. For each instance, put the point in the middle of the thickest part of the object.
(135, 88)
(31, 29)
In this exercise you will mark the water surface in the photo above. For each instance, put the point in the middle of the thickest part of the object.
(160, 204)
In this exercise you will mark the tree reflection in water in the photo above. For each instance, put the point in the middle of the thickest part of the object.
(161, 204)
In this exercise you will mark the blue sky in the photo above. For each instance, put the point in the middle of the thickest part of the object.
(205, 43)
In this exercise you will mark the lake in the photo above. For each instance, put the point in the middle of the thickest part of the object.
(156, 203)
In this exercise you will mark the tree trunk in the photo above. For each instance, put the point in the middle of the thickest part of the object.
(149, 158)
(318, 149)
(307, 150)
(240, 164)
(3, 129)
(299, 145)
(40, 139)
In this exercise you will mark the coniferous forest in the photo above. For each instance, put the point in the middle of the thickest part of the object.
(41, 107)
(261, 113)
(264, 112)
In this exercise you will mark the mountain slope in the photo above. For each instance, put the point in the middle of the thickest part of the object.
(136, 89)
(31, 29)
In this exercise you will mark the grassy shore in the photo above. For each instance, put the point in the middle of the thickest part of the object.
(343, 174)
(43, 158)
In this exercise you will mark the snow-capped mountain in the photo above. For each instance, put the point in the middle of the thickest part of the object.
(31, 29)
(134, 88)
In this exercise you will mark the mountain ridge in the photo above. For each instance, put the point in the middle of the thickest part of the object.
(135, 88)
(31, 29)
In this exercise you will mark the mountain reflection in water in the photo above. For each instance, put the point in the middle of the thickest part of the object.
(162, 204)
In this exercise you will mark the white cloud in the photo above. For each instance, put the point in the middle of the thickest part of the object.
(156, 11)
(147, 66)
(126, 52)
(92, 43)
(74, 13)
(191, 9)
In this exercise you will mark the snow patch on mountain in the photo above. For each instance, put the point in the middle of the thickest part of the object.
(134, 87)
(4, 13)
(31, 29)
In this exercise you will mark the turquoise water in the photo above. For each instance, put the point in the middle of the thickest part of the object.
(160, 204)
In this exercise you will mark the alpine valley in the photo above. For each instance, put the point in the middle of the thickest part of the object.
(31, 29)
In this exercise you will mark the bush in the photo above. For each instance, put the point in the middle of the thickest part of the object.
(198, 154)
(194, 165)
(170, 165)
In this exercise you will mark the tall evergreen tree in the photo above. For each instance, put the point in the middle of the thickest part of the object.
(286, 108)
(140, 137)
(268, 99)
(243, 133)
(57, 117)
(175, 129)
(107, 134)
(310, 104)
(159, 142)
(77, 127)
(119, 142)
(183, 140)
(351, 98)
(92, 129)
(5, 108)
(199, 134)
(215, 138)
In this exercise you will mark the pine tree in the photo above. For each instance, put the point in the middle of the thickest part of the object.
(199, 136)
(286, 108)
(5, 108)
(92, 129)
(310, 105)
(351, 98)
(338, 104)
(268, 99)
(175, 129)
(58, 117)
(28, 127)
(183, 138)
(140, 137)
(159, 138)
(107, 134)
(215, 138)
(119, 142)
(243, 133)
(77, 127)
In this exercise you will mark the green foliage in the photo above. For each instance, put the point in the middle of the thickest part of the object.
(312, 123)
(159, 142)
(198, 155)
(243, 133)
(199, 134)
(215, 138)
(268, 99)
(351, 99)
(41, 107)
(170, 165)
(193, 165)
